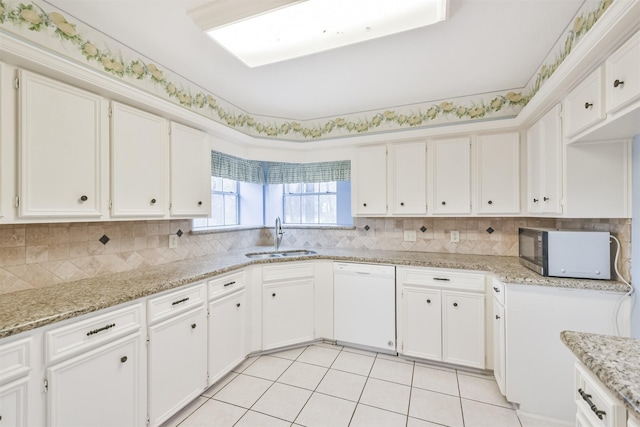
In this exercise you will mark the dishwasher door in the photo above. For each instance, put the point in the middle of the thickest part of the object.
(365, 306)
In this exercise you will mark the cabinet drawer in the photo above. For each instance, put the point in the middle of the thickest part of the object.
(226, 284)
(287, 271)
(497, 287)
(15, 360)
(167, 305)
(596, 403)
(86, 334)
(441, 278)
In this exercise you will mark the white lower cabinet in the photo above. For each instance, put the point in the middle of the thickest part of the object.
(96, 369)
(101, 387)
(463, 328)
(228, 320)
(596, 405)
(177, 352)
(21, 396)
(441, 315)
(499, 333)
(287, 304)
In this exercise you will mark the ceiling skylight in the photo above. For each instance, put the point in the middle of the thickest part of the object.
(314, 26)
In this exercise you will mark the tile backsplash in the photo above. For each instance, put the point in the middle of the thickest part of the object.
(37, 255)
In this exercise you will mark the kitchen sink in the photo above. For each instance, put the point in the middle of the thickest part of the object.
(279, 254)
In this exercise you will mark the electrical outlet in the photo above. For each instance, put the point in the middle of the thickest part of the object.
(173, 241)
(409, 235)
(455, 236)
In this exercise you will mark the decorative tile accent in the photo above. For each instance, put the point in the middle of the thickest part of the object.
(366, 227)
(104, 239)
(179, 233)
(423, 228)
(490, 230)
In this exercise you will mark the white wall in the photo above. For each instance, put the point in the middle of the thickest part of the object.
(635, 233)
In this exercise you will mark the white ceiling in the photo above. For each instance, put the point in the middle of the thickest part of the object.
(486, 46)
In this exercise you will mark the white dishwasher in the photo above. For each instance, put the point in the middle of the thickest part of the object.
(365, 305)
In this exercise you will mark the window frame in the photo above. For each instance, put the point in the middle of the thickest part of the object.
(316, 194)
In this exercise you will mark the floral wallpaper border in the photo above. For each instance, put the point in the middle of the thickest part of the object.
(51, 29)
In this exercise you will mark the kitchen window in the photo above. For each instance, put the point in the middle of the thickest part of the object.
(310, 203)
(224, 204)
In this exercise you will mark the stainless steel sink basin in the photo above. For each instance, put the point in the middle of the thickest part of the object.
(279, 254)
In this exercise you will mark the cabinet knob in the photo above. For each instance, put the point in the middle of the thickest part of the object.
(200, 203)
(497, 290)
(535, 200)
(401, 203)
(153, 201)
(455, 304)
(490, 202)
(444, 203)
(428, 301)
(618, 83)
(273, 294)
(587, 105)
(84, 198)
(546, 199)
(497, 317)
(123, 359)
(193, 326)
(238, 304)
(364, 204)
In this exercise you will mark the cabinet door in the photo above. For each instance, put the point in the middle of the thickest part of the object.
(177, 363)
(62, 149)
(13, 404)
(409, 179)
(371, 181)
(498, 173)
(499, 350)
(280, 304)
(584, 106)
(544, 164)
(622, 75)
(139, 163)
(463, 328)
(534, 168)
(102, 387)
(451, 176)
(226, 334)
(190, 172)
(421, 324)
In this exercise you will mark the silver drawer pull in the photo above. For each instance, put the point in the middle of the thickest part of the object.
(104, 328)
(229, 284)
(587, 398)
(180, 301)
(442, 279)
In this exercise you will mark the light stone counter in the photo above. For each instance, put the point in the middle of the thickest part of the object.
(28, 309)
(614, 360)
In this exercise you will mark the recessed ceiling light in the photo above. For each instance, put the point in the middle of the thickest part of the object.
(318, 25)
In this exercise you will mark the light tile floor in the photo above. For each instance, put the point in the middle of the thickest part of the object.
(324, 385)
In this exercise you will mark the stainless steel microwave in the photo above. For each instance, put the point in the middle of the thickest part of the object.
(566, 253)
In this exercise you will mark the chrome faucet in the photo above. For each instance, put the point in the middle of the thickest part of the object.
(277, 234)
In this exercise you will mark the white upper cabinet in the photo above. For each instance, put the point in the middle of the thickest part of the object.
(498, 174)
(62, 150)
(449, 161)
(598, 180)
(370, 195)
(622, 75)
(190, 172)
(409, 180)
(139, 163)
(544, 164)
(584, 106)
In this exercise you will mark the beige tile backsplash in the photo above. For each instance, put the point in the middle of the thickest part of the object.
(37, 255)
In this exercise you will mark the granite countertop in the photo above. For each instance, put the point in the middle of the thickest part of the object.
(29, 309)
(614, 360)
